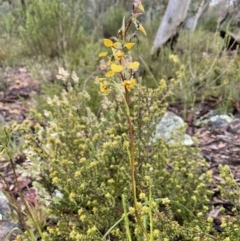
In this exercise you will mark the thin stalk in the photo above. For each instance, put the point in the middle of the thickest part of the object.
(126, 219)
(15, 206)
(130, 131)
(115, 224)
(150, 214)
(21, 216)
(132, 165)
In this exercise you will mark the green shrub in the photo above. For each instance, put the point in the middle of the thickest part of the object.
(85, 158)
(113, 20)
(10, 43)
(103, 177)
(53, 27)
(208, 71)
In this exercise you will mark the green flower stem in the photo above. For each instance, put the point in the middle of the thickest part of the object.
(132, 164)
(150, 214)
(126, 219)
(131, 140)
(129, 23)
(126, 99)
(115, 224)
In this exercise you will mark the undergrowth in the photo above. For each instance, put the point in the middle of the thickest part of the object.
(99, 172)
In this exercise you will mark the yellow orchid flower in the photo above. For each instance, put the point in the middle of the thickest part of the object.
(104, 88)
(129, 84)
(116, 67)
(129, 45)
(108, 42)
(110, 74)
(119, 54)
(140, 6)
(117, 45)
(134, 65)
(103, 54)
(141, 28)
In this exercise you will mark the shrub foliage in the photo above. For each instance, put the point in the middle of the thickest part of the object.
(53, 27)
(83, 163)
(84, 157)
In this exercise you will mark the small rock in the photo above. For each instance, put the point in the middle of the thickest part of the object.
(220, 120)
(169, 129)
(7, 224)
(205, 119)
(4, 8)
(234, 127)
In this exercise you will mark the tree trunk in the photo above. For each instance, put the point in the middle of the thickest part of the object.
(173, 17)
(192, 18)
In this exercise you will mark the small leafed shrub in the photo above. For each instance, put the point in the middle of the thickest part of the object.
(52, 27)
(82, 161)
(85, 158)
(104, 176)
(112, 19)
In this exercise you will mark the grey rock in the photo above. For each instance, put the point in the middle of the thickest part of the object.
(58, 194)
(8, 226)
(187, 140)
(220, 120)
(8, 230)
(4, 8)
(234, 127)
(205, 119)
(214, 119)
(172, 128)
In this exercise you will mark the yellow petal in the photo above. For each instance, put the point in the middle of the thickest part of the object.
(129, 45)
(133, 65)
(133, 82)
(108, 42)
(119, 54)
(103, 54)
(104, 88)
(141, 28)
(117, 45)
(109, 74)
(116, 68)
(140, 6)
(129, 84)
